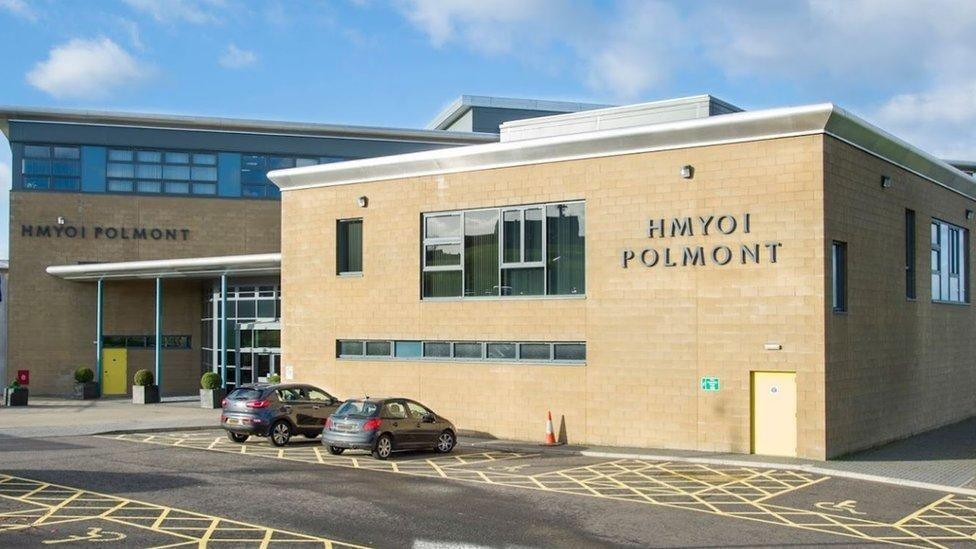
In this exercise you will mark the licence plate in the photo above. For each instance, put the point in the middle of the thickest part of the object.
(346, 427)
(233, 421)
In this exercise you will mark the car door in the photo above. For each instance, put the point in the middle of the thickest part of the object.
(397, 421)
(424, 424)
(322, 404)
(293, 405)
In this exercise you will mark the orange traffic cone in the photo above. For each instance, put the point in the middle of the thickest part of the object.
(550, 436)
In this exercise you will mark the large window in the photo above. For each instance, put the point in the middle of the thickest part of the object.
(51, 167)
(153, 171)
(838, 277)
(349, 246)
(145, 342)
(530, 250)
(950, 262)
(255, 168)
(910, 254)
(482, 351)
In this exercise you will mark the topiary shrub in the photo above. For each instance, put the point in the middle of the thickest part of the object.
(143, 378)
(14, 384)
(274, 378)
(210, 381)
(84, 375)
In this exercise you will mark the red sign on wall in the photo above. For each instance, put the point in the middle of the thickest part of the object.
(23, 377)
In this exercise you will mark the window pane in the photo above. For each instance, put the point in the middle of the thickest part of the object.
(407, 349)
(534, 351)
(67, 152)
(178, 188)
(566, 249)
(377, 348)
(266, 308)
(350, 348)
(120, 186)
(267, 338)
(204, 188)
(303, 162)
(205, 159)
(481, 253)
(148, 187)
(349, 246)
(523, 281)
(437, 349)
(246, 309)
(569, 351)
(439, 255)
(120, 170)
(176, 172)
(533, 234)
(149, 171)
(36, 182)
(204, 174)
(254, 191)
(280, 163)
(36, 167)
(467, 350)
(149, 156)
(66, 167)
(120, 155)
(67, 183)
(443, 226)
(501, 351)
(177, 158)
(512, 232)
(442, 284)
(36, 151)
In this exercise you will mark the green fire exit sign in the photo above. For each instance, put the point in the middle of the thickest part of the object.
(709, 384)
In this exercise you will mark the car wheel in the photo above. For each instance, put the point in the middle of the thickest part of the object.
(237, 437)
(383, 447)
(446, 442)
(280, 433)
(335, 450)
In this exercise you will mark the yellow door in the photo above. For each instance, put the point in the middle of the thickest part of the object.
(774, 413)
(115, 372)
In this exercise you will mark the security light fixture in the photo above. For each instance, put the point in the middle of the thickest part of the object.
(885, 182)
(772, 346)
(363, 201)
(969, 215)
(61, 220)
(687, 171)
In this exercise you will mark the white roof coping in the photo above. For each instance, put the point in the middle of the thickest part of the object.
(463, 104)
(825, 118)
(193, 267)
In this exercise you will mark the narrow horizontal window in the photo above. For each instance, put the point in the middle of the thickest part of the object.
(464, 351)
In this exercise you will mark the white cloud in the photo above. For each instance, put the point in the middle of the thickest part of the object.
(941, 119)
(236, 58)
(198, 12)
(19, 8)
(4, 176)
(86, 69)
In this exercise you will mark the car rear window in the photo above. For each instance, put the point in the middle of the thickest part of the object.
(358, 408)
(244, 394)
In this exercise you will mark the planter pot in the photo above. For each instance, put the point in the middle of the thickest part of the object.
(212, 398)
(15, 397)
(145, 394)
(86, 391)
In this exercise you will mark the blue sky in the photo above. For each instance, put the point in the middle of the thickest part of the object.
(904, 65)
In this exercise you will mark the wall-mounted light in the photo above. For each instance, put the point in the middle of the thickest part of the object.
(772, 347)
(61, 220)
(687, 171)
(363, 201)
(969, 215)
(885, 182)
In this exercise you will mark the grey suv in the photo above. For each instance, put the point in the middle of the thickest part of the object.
(387, 425)
(278, 411)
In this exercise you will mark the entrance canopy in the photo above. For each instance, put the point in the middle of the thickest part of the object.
(194, 267)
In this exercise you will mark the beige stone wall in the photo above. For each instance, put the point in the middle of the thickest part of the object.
(651, 333)
(52, 321)
(895, 366)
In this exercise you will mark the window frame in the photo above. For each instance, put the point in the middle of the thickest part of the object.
(194, 186)
(838, 276)
(50, 176)
(911, 239)
(949, 245)
(484, 358)
(502, 265)
(362, 227)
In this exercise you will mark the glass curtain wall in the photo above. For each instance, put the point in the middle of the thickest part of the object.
(246, 303)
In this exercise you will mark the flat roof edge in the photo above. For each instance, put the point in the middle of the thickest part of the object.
(169, 268)
(824, 118)
(167, 121)
(462, 104)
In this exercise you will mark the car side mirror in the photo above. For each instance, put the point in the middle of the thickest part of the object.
(429, 418)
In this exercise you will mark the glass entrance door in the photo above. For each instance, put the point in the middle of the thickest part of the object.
(259, 350)
(265, 365)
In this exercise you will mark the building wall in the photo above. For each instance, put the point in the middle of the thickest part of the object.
(52, 321)
(651, 333)
(895, 367)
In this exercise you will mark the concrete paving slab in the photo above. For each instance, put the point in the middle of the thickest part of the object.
(52, 417)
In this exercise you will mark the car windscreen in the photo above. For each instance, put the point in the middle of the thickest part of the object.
(358, 408)
(245, 393)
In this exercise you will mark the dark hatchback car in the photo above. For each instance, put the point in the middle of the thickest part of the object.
(278, 411)
(387, 425)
